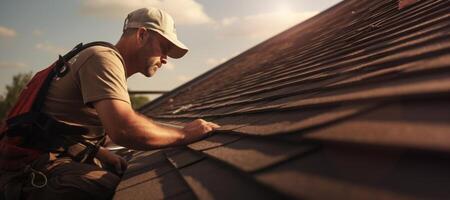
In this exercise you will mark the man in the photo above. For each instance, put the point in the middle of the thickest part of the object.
(93, 94)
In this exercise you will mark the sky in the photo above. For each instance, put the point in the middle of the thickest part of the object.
(34, 32)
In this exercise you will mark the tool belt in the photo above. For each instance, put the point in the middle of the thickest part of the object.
(53, 137)
(12, 183)
(50, 135)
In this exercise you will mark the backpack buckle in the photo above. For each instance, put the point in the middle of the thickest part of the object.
(63, 67)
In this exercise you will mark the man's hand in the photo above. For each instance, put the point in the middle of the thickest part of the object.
(106, 157)
(127, 128)
(198, 129)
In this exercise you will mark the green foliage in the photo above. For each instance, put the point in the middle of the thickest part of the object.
(138, 100)
(8, 99)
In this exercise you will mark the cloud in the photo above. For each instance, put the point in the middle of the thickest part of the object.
(169, 66)
(37, 32)
(261, 26)
(50, 48)
(185, 12)
(5, 64)
(228, 21)
(183, 78)
(7, 32)
(212, 62)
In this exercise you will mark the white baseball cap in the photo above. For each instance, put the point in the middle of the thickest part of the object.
(159, 21)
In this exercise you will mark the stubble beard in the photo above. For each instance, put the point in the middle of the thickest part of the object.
(153, 67)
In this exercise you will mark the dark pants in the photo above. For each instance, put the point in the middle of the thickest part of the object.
(66, 179)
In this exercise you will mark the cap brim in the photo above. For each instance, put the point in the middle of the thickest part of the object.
(178, 50)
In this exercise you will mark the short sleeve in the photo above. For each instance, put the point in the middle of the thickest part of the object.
(102, 76)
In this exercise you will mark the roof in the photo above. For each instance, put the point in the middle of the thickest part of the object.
(353, 103)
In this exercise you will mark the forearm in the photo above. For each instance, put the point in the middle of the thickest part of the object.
(139, 132)
(127, 128)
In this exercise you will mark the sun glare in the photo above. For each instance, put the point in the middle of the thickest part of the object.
(282, 8)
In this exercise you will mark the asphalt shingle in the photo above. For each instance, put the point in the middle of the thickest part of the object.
(350, 104)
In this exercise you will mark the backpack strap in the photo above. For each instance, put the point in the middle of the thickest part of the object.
(50, 126)
(61, 67)
(45, 132)
(57, 69)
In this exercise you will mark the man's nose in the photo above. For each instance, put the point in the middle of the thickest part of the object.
(164, 59)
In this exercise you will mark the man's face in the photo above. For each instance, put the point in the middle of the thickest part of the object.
(154, 53)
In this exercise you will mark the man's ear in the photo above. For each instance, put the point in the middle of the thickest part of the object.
(141, 36)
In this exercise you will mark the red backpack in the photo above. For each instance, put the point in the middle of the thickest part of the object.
(26, 124)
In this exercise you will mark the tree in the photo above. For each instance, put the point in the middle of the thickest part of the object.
(8, 100)
(138, 100)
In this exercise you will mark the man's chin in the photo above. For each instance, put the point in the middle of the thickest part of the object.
(148, 75)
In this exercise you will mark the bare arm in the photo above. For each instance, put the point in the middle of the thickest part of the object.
(127, 128)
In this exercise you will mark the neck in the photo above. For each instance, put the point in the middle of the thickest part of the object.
(124, 51)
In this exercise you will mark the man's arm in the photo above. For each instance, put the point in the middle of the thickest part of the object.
(127, 128)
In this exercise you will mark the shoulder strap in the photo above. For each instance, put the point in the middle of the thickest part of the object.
(39, 92)
(60, 65)
(100, 43)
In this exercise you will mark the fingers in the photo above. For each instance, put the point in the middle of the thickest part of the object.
(198, 129)
(120, 165)
(118, 168)
(206, 123)
(123, 164)
(213, 125)
(200, 122)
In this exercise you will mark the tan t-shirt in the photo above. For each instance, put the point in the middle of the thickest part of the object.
(95, 73)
